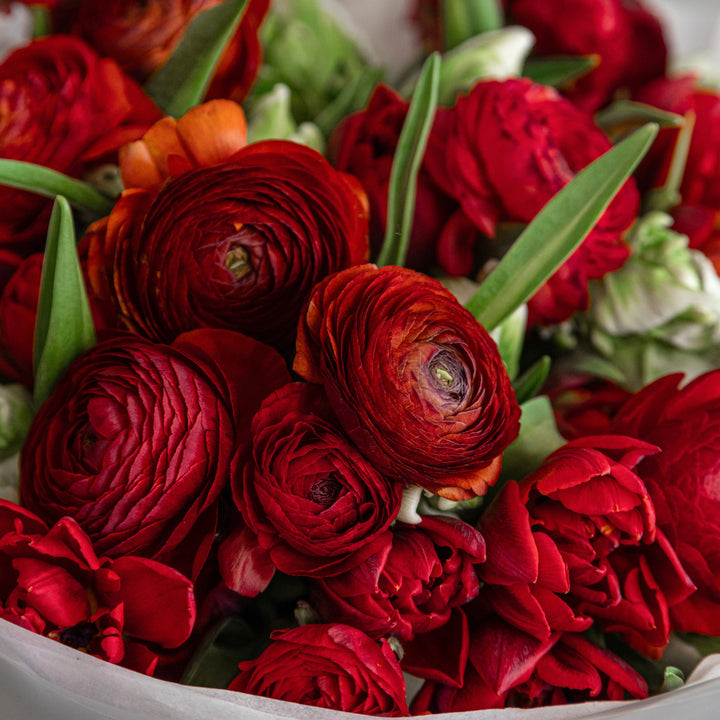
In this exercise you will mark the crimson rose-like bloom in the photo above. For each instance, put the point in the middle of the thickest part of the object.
(122, 610)
(411, 585)
(415, 381)
(626, 39)
(329, 666)
(683, 482)
(239, 245)
(364, 144)
(137, 440)
(142, 34)
(503, 151)
(314, 503)
(64, 107)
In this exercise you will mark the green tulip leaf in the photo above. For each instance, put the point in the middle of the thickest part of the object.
(510, 338)
(463, 19)
(50, 183)
(559, 71)
(182, 81)
(406, 164)
(629, 112)
(528, 385)
(557, 230)
(64, 326)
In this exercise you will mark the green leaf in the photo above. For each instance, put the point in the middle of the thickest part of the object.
(64, 326)
(40, 21)
(406, 164)
(674, 679)
(559, 71)
(49, 183)
(629, 112)
(510, 337)
(557, 230)
(182, 81)
(462, 19)
(529, 383)
(538, 437)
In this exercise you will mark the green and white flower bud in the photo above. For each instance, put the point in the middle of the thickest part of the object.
(270, 117)
(660, 312)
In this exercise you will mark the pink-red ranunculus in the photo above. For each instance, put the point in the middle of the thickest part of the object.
(64, 107)
(328, 666)
(411, 585)
(683, 482)
(623, 35)
(364, 144)
(240, 245)
(414, 379)
(503, 151)
(137, 440)
(52, 582)
(312, 502)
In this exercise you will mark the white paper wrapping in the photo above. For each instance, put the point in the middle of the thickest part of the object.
(41, 679)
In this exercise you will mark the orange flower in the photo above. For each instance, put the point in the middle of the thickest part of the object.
(206, 135)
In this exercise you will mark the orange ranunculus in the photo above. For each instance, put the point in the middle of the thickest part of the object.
(206, 135)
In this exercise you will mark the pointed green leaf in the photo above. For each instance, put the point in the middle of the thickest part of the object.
(49, 183)
(510, 337)
(64, 326)
(557, 230)
(183, 80)
(531, 381)
(462, 19)
(559, 71)
(628, 112)
(538, 437)
(406, 164)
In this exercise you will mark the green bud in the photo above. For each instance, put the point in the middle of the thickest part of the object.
(660, 312)
(308, 50)
(270, 116)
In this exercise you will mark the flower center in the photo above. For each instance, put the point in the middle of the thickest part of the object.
(237, 261)
(447, 375)
(324, 492)
(78, 636)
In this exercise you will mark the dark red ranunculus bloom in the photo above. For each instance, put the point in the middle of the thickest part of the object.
(509, 668)
(683, 483)
(315, 505)
(411, 585)
(414, 379)
(141, 34)
(240, 245)
(64, 107)
(625, 37)
(123, 610)
(329, 666)
(576, 541)
(364, 144)
(137, 440)
(701, 178)
(503, 151)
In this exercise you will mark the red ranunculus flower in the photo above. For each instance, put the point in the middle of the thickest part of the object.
(509, 668)
(364, 144)
(683, 483)
(503, 151)
(64, 107)
(314, 503)
(240, 244)
(411, 585)
(681, 95)
(142, 34)
(626, 39)
(123, 610)
(329, 666)
(137, 440)
(415, 381)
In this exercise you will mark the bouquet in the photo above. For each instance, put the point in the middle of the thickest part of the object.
(387, 393)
